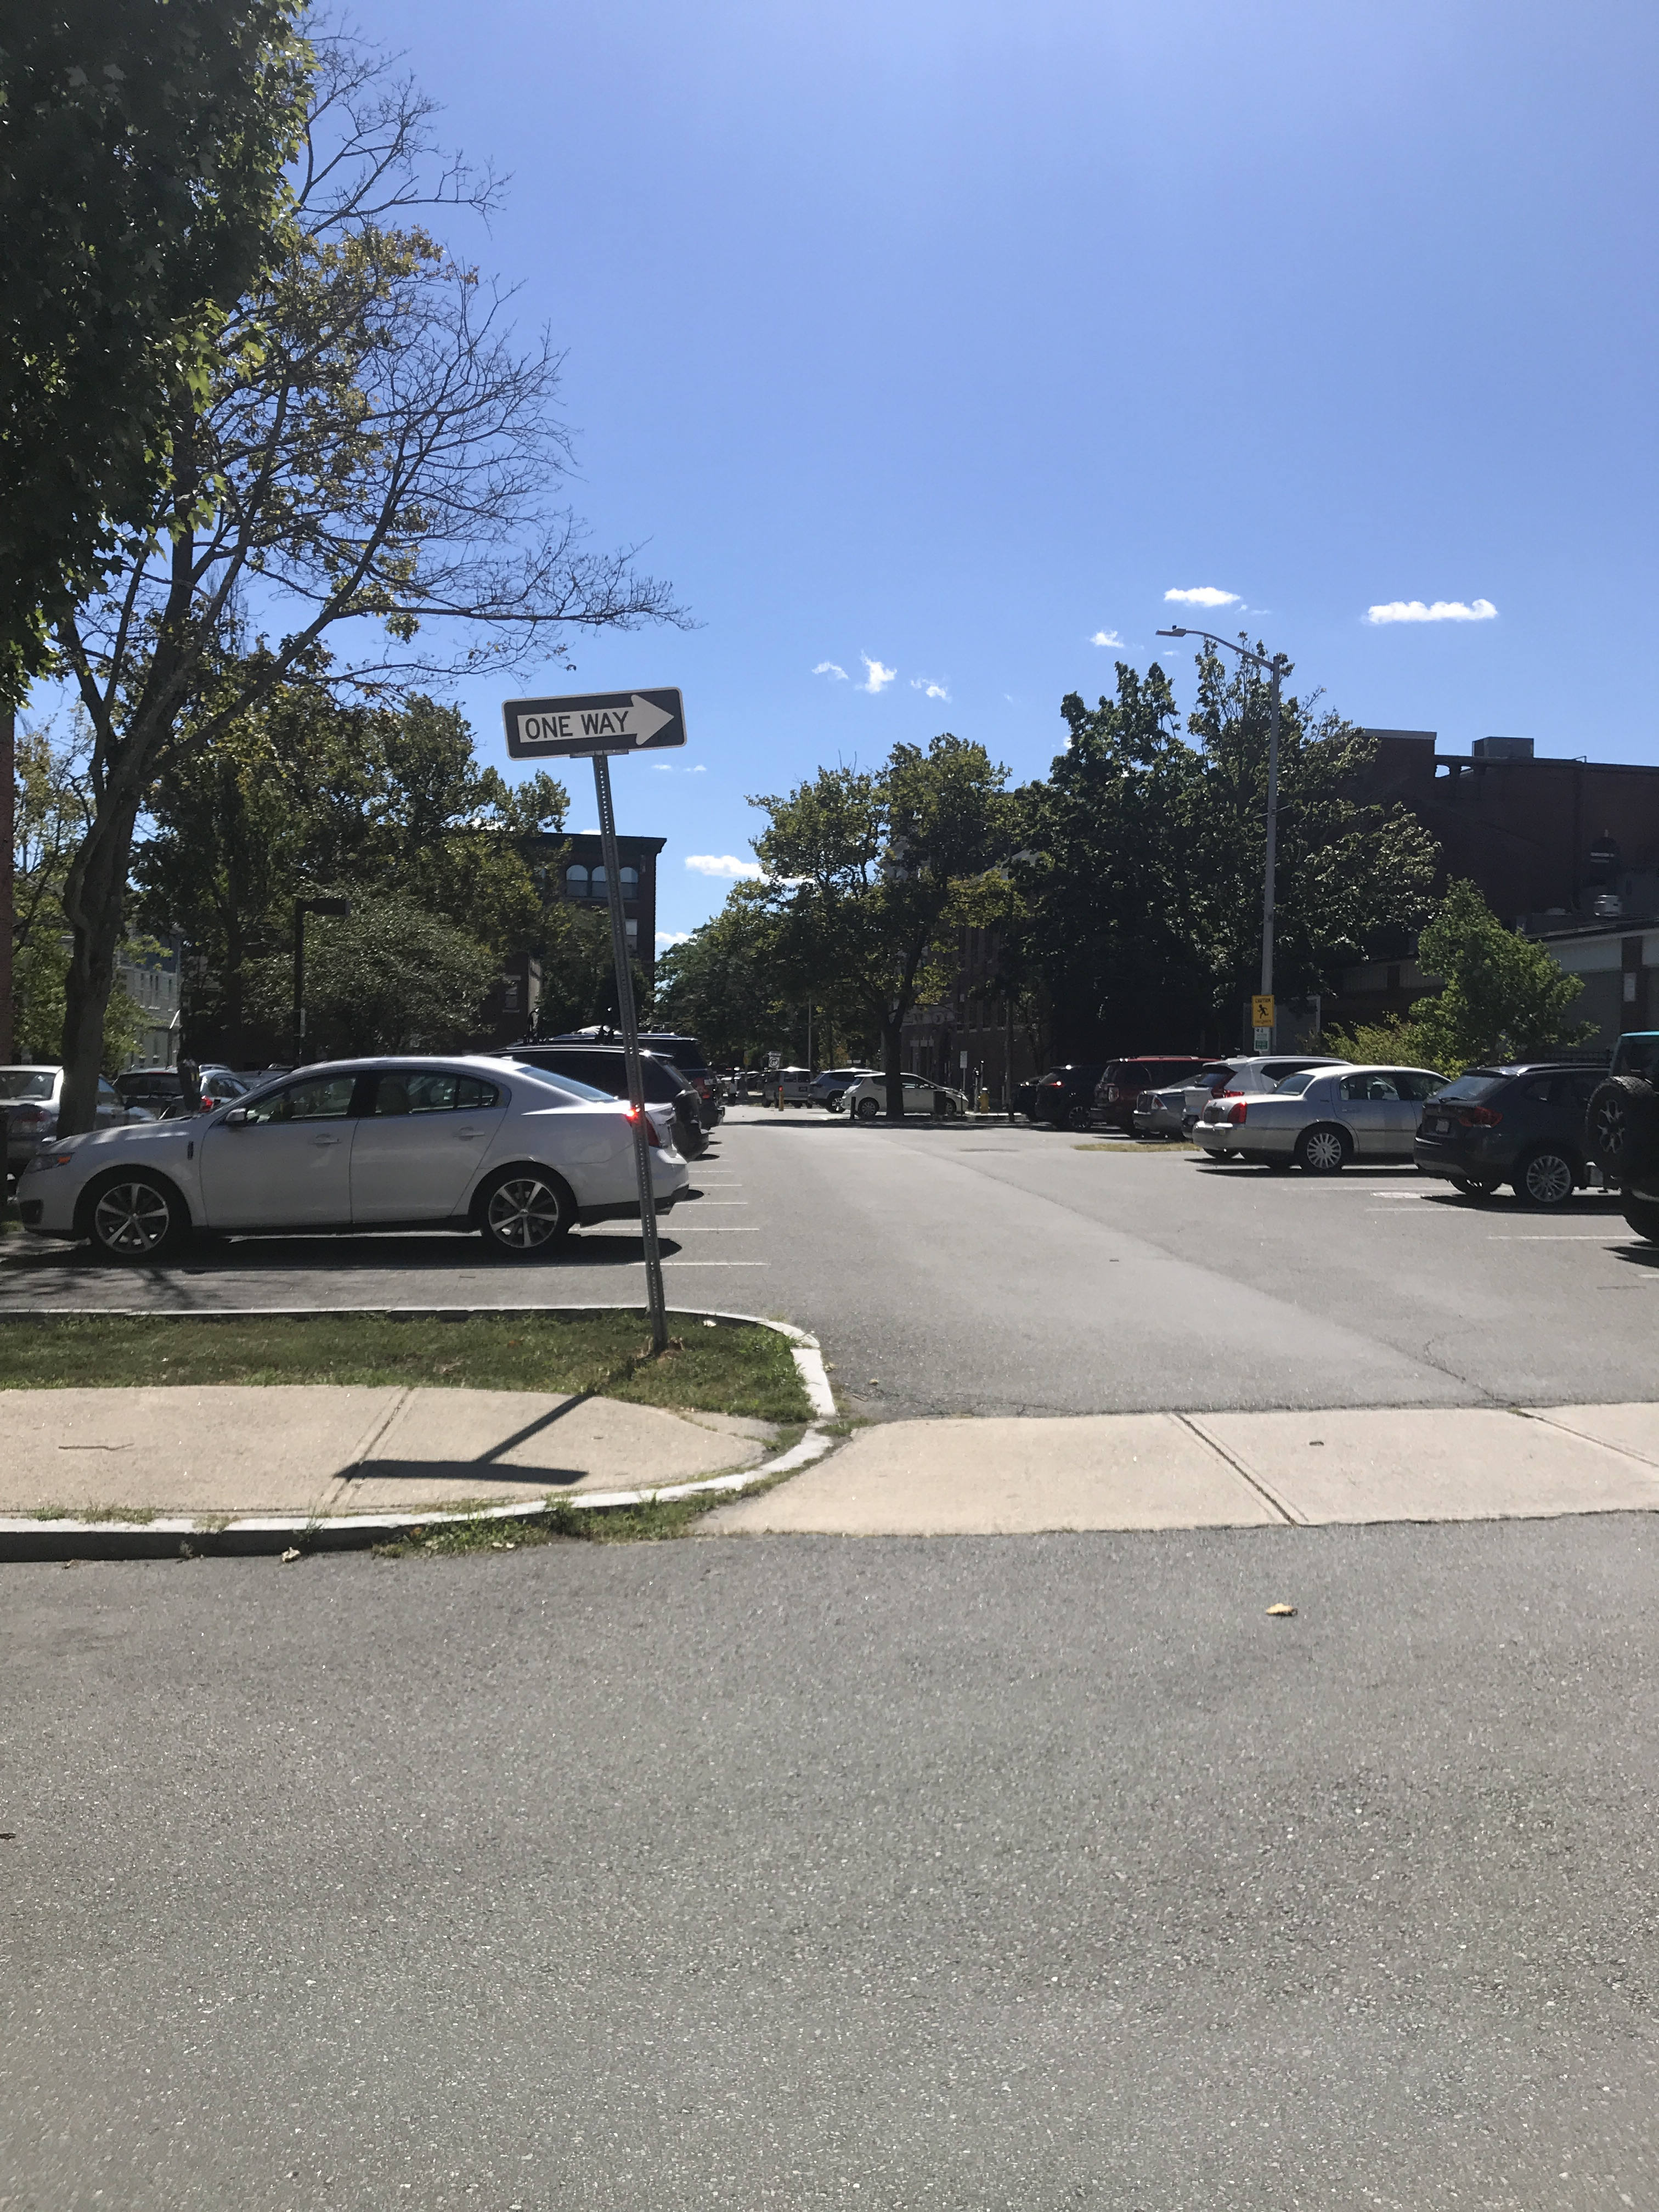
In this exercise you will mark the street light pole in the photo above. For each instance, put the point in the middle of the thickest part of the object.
(301, 908)
(1274, 666)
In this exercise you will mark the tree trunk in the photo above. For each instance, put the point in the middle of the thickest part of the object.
(891, 1031)
(95, 898)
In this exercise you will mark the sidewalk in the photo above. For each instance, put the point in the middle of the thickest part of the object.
(323, 1449)
(1128, 1471)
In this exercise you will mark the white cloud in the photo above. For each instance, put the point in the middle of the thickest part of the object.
(1413, 611)
(1204, 595)
(877, 678)
(722, 864)
(830, 668)
(663, 768)
(1106, 637)
(932, 690)
(700, 770)
(668, 937)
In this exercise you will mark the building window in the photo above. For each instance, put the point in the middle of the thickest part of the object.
(630, 883)
(599, 883)
(575, 881)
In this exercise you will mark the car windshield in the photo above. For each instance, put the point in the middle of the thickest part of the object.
(1638, 1055)
(566, 1084)
(1294, 1085)
(1471, 1088)
(26, 1082)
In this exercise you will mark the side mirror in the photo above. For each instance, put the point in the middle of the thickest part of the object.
(237, 1118)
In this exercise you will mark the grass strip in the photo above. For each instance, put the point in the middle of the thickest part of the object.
(727, 1368)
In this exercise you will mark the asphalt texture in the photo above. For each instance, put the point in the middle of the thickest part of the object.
(1029, 1873)
(995, 1269)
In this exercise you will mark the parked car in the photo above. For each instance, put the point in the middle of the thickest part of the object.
(29, 1100)
(162, 1090)
(1319, 1118)
(686, 1052)
(829, 1089)
(1632, 1082)
(464, 1143)
(1246, 1075)
(1122, 1081)
(1520, 1122)
(793, 1086)
(1159, 1112)
(1023, 1099)
(867, 1101)
(1065, 1095)
(672, 1103)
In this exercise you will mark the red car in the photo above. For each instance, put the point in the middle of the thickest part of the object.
(1123, 1080)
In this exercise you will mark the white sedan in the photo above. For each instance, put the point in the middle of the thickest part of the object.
(442, 1142)
(1321, 1118)
(867, 1100)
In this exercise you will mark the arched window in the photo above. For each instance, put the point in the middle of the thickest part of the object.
(575, 881)
(630, 883)
(599, 883)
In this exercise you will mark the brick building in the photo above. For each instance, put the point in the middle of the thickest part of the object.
(572, 867)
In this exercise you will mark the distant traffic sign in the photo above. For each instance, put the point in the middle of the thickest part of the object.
(595, 722)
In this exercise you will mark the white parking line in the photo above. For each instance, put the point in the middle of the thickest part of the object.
(1554, 1236)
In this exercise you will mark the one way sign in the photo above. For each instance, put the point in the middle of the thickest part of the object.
(597, 722)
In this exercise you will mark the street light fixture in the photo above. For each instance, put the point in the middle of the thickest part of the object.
(301, 908)
(1274, 666)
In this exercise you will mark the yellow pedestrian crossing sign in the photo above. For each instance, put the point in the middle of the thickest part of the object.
(1261, 1013)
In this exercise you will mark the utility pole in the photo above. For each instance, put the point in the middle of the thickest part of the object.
(1275, 667)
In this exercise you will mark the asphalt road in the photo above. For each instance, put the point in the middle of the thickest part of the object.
(998, 1270)
(1029, 1873)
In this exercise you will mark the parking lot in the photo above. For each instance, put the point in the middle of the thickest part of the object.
(986, 1268)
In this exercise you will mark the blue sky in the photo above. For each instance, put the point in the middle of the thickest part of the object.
(947, 337)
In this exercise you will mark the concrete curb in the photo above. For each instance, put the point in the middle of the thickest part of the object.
(24, 1540)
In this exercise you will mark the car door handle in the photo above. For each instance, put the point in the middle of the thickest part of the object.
(325, 1140)
(466, 1135)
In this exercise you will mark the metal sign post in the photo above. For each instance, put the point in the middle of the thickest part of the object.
(596, 725)
(653, 1289)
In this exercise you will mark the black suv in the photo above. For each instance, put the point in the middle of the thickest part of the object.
(606, 1067)
(1622, 1128)
(1520, 1123)
(1065, 1095)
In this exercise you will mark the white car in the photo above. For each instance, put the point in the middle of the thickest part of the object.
(1320, 1119)
(1247, 1076)
(867, 1100)
(435, 1142)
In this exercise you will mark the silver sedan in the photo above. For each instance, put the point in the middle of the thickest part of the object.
(1322, 1119)
(434, 1143)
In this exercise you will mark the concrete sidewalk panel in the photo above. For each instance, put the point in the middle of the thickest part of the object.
(1468, 1463)
(475, 1444)
(1008, 1477)
(1634, 1429)
(218, 1448)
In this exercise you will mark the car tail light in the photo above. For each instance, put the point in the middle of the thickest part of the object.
(30, 1114)
(635, 1114)
(1478, 1117)
(1236, 1113)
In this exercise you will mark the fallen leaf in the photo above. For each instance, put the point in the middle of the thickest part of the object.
(290, 1555)
(1282, 1612)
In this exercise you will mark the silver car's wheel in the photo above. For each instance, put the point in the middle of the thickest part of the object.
(524, 1214)
(1322, 1151)
(1546, 1179)
(868, 1108)
(135, 1218)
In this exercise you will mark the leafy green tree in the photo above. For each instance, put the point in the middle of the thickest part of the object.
(1347, 871)
(727, 985)
(391, 976)
(142, 145)
(49, 814)
(1502, 996)
(305, 792)
(867, 877)
(369, 458)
